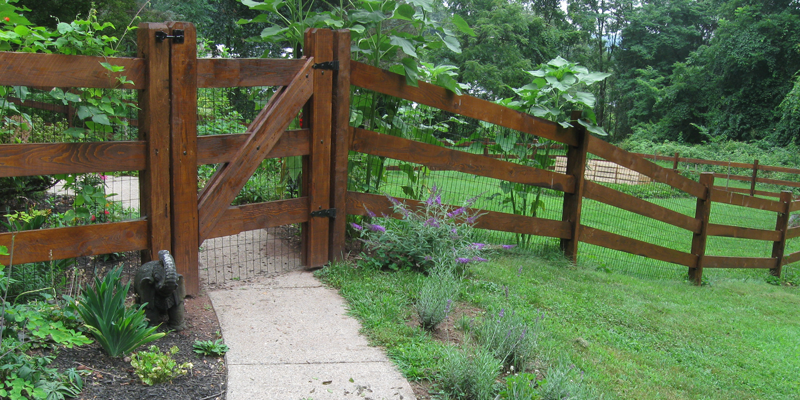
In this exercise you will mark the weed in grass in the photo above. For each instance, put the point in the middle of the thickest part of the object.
(506, 335)
(520, 387)
(436, 298)
(468, 375)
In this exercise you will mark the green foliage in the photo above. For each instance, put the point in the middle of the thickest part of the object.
(118, 329)
(565, 382)
(521, 386)
(436, 298)
(509, 338)
(209, 348)
(154, 367)
(467, 375)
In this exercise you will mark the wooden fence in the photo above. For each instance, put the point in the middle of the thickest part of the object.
(175, 216)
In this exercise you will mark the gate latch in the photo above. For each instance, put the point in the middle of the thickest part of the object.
(330, 213)
(329, 65)
(177, 36)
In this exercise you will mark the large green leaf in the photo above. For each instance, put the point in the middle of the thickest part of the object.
(410, 71)
(404, 44)
(462, 25)
(405, 12)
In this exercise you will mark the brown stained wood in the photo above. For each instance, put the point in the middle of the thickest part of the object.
(573, 202)
(794, 206)
(791, 258)
(631, 161)
(442, 158)
(58, 70)
(58, 108)
(183, 156)
(246, 72)
(264, 133)
(617, 242)
(782, 226)
(319, 192)
(154, 129)
(792, 233)
(754, 178)
(699, 239)
(218, 149)
(721, 196)
(260, 216)
(739, 262)
(759, 180)
(74, 158)
(742, 190)
(60, 243)
(720, 163)
(633, 204)
(358, 203)
(392, 84)
(340, 143)
(743, 233)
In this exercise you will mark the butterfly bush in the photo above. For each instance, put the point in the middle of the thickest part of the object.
(433, 235)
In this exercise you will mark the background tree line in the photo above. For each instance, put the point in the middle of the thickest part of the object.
(681, 70)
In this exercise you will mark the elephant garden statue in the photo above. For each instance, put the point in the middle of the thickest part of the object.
(159, 284)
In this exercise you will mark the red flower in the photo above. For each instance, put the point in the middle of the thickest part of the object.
(93, 218)
(107, 212)
(7, 19)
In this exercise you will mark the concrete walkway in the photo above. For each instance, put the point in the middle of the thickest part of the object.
(289, 338)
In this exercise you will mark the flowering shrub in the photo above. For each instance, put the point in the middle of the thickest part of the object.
(434, 235)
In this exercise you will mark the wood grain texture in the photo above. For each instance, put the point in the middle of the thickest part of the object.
(218, 149)
(358, 203)
(617, 242)
(246, 72)
(340, 143)
(60, 243)
(58, 70)
(782, 226)
(721, 196)
(77, 158)
(702, 214)
(739, 262)
(154, 129)
(636, 205)
(573, 202)
(183, 156)
(791, 258)
(792, 233)
(261, 216)
(794, 206)
(743, 233)
(442, 158)
(392, 84)
(742, 190)
(631, 161)
(263, 133)
(320, 158)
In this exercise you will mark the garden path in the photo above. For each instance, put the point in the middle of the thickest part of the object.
(290, 338)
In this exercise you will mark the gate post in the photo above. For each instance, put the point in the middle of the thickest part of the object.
(702, 213)
(782, 225)
(573, 202)
(318, 44)
(340, 141)
(154, 198)
(183, 160)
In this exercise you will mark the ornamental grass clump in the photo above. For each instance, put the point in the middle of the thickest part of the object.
(432, 235)
(506, 335)
(437, 298)
(468, 375)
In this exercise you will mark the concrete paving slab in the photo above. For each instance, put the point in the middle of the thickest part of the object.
(288, 335)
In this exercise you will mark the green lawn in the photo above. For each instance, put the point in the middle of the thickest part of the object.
(635, 338)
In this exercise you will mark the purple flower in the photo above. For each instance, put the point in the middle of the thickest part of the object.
(447, 307)
(478, 246)
(462, 260)
(501, 313)
(524, 331)
(471, 220)
(453, 230)
(432, 222)
(438, 199)
(479, 259)
(376, 228)
(456, 212)
(394, 201)
(508, 246)
(356, 226)
(428, 258)
(370, 213)
(471, 201)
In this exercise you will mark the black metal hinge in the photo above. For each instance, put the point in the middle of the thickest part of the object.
(329, 65)
(177, 36)
(330, 213)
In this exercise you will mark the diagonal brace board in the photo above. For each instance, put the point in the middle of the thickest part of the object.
(264, 131)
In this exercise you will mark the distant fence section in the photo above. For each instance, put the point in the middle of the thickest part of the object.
(178, 217)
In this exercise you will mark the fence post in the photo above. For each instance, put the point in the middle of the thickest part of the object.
(183, 160)
(576, 166)
(154, 129)
(755, 177)
(782, 225)
(340, 142)
(675, 162)
(319, 44)
(702, 213)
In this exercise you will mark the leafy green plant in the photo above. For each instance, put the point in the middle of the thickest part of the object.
(468, 375)
(565, 382)
(436, 298)
(154, 367)
(210, 348)
(520, 387)
(118, 329)
(508, 338)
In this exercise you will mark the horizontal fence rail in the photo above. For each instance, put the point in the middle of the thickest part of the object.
(58, 70)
